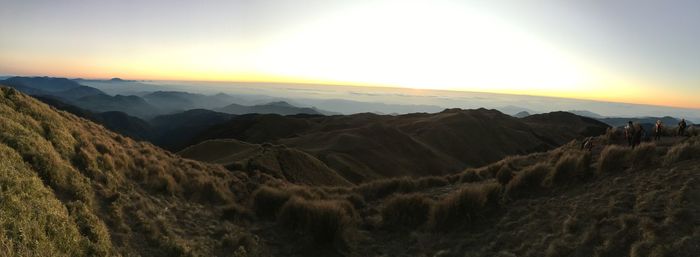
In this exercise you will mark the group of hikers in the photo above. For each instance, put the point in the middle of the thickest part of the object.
(634, 133)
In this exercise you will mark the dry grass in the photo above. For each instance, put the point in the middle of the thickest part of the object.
(326, 222)
(268, 200)
(613, 158)
(94, 184)
(682, 152)
(571, 166)
(381, 188)
(504, 175)
(470, 176)
(464, 206)
(644, 155)
(528, 181)
(406, 212)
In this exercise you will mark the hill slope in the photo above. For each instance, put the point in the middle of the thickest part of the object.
(278, 161)
(367, 146)
(72, 188)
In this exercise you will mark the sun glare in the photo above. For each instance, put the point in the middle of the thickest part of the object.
(428, 46)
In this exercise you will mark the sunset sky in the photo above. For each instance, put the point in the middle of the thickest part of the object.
(639, 51)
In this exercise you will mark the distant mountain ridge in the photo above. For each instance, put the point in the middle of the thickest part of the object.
(279, 107)
(146, 106)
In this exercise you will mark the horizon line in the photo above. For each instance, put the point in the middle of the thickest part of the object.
(373, 85)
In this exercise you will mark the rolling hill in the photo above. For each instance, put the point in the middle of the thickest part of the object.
(368, 146)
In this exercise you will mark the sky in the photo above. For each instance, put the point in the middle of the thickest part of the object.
(636, 51)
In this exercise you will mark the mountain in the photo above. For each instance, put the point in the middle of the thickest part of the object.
(585, 113)
(78, 92)
(46, 84)
(132, 105)
(119, 122)
(522, 114)
(368, 146)
(560, 127)
(175, 101)
(176, 131)
(281, 108)
(514, 110)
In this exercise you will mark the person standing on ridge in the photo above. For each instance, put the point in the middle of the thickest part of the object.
(658, 128)
(629, 131)
(681, 127)
(638, 133)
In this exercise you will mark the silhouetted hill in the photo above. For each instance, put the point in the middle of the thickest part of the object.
(561, 127)
(115, 121)
(522, 114)
(281, 108)
(369, 146)
(585, 113)
(78, 92)
(46, 84)
(176, 131)
(175, 101)
(132, 105)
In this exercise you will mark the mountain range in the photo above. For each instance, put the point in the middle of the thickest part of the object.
(69, 187)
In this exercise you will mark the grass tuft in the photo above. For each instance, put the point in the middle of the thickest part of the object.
(406, 211)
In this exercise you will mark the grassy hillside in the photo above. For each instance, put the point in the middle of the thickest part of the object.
(565, 202)
(71, 188)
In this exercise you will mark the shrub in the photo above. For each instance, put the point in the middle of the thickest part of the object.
(528, 181)
(462, 207)
(327, 222)
(613, 158)
(267, 201)
(406, 211)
